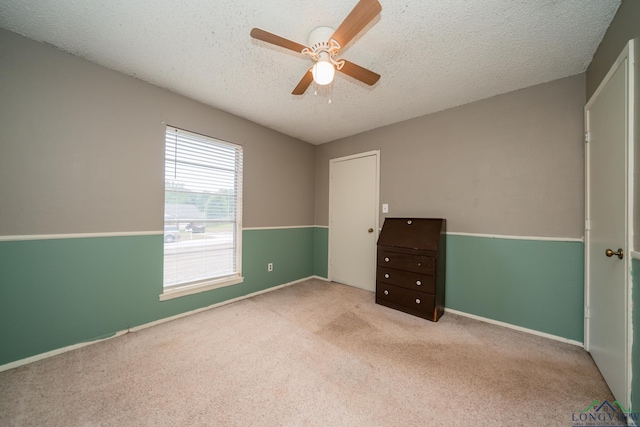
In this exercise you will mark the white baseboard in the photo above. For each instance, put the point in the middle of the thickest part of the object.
(58, 351)
(517, 328)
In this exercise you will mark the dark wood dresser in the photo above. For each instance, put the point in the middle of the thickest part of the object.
(411, 266)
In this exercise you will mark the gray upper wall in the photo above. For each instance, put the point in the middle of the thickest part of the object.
(82, 149)
(508, 165)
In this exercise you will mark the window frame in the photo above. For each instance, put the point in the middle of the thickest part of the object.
(190, 288)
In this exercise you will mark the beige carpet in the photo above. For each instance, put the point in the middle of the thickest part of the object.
(315, 353)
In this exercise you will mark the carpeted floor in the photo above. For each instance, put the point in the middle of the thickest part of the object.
(314, 353)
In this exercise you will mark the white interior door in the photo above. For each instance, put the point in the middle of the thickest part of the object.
(353, 219)
(607, 210)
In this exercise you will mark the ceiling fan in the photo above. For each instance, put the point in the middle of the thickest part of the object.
(326, 44)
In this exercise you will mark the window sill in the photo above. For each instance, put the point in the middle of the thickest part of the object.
(200, 287)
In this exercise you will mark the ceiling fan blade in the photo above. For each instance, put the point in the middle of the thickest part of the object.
(359, 17)
(304, 83)
(360, 73)
(268, 37)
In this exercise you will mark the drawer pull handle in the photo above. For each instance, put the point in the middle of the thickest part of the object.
(418, 282)
(386, 259)
(386, 292)
(386, 275)
(409, 222)
(417, 300)
(419, 264)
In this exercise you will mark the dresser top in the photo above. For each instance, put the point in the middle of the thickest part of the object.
(412, 233)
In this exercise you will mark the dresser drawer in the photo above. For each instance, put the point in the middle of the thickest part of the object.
(412, 302)
(416, 263)
(407, 279)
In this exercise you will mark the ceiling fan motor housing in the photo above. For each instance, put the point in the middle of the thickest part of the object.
(319, 39)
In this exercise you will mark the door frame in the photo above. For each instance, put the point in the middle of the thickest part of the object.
(375, 153)
(628, 54)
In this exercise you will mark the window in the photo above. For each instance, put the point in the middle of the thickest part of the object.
(202, 213)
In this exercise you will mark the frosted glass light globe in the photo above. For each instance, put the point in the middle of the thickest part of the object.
(323, 72)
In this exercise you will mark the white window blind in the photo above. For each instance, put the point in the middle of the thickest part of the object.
(202, 210)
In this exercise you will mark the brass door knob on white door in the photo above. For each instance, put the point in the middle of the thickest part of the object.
(370, 230)
(619, 253)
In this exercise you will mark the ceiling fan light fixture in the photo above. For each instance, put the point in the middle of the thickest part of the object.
(323, 72)
(325, 44)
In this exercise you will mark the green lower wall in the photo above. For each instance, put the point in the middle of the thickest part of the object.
(55, 293)
(635, 349)
(321, 252)
(290, 250)
(59, 292)
(534, 284)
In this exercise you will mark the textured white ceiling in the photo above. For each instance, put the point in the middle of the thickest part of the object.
(431, 54)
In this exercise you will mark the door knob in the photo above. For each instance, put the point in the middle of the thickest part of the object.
(610, 253)
(370, 230)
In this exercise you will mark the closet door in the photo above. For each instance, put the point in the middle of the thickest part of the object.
(607, 239)
(353, 219)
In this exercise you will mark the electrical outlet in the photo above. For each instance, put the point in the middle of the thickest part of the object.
(270, 266)
(385, 208)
